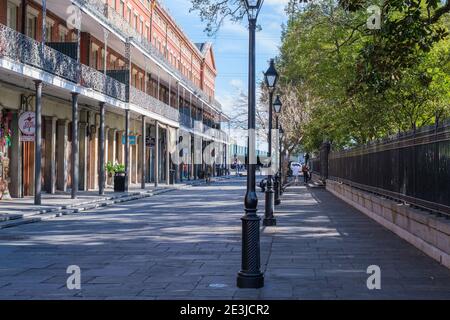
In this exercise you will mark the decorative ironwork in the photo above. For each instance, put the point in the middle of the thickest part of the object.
(98, 81)
(118, 22)
(412, 167)
(114, 20)
(98, 6)
(146, 101)
(185, 120)
(21, 48)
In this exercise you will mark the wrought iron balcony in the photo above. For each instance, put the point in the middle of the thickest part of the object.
(186, 121)
(100, 82)
(21, 48)
(146, 101)
(115, 21)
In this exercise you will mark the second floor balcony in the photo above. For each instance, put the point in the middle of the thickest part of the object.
(117, 22)
(20, 48)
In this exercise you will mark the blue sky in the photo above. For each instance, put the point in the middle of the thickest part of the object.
(231, 44)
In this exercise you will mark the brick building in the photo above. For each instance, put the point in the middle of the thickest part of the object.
(111, 81)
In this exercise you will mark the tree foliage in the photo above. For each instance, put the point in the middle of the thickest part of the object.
(367, 83)
(215, 12)
(357, 84)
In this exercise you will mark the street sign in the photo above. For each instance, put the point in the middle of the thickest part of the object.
(27, 126)
(131, 139)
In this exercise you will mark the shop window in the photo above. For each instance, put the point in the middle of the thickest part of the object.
(5, 144)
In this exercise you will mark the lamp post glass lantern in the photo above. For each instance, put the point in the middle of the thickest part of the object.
(277, 105)
(253, 7)
(271, 76)
(250, 275)
(278, 181)
(270, 79)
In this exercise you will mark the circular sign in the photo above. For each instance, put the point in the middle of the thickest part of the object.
(27, 123)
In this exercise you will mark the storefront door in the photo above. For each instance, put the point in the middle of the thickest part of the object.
(28, 168)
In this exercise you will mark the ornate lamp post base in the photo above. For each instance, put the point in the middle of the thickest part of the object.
(250, 276)
(277, 191)
(269, 219)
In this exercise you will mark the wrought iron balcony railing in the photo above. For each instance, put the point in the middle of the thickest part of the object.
(118, 23)
(100, 82)
(146, 101)
(21, 48)
(185, 120)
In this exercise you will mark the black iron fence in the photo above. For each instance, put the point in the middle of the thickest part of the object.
(413, 167)
(315, 165)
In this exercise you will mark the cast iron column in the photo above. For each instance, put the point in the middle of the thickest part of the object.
(127, 148)
(250, 275)
(75, 145)
(143, 148)
(156, 162)
(167, 155)
(281, 164)
(38, 144)
(278, 182)
(269, 219)
(101, 147)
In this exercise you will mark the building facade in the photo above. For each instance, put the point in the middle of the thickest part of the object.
(98, 81)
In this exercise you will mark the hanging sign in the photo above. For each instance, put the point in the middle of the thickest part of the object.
(27, 126)
(131, 140)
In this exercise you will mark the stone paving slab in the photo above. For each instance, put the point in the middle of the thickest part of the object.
(186, 245)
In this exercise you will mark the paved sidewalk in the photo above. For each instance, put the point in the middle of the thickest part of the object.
(49, 201)
(186, 245)
(16, 212)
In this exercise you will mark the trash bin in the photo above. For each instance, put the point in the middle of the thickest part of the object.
(119, 181)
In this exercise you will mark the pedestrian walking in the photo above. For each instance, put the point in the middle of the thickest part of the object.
(208, 174)
(295, 173)
(305, 171)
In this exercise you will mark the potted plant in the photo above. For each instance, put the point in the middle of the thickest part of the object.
(119, 177)
(109, 167)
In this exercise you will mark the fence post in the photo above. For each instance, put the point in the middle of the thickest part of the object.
(324, 152)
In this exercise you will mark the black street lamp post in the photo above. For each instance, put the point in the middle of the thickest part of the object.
(281, 163)
(250, 275)
(270, 78)
(278, 182)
